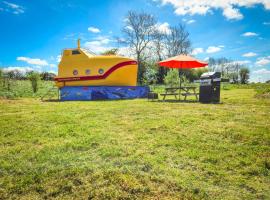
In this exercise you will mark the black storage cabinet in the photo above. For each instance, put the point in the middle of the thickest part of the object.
(210, 87)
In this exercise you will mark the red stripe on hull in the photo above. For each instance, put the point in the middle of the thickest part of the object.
(98, 77)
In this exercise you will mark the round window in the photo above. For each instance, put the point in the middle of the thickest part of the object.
(100, 71)
(87, 71)
(75, 72)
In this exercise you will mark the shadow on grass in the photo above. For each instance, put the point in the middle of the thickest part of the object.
(51, 100)
(182, 101)
(177, 101)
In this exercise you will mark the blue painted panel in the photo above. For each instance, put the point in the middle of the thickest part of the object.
(88, 93)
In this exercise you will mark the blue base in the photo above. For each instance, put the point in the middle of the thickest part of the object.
(88, 93)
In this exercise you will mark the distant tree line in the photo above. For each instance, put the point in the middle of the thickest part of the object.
(8, 76)
(235, 71)
(18, 75)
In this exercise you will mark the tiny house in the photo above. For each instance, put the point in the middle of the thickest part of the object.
(82, 75)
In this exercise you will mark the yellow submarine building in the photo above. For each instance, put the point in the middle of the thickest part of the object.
(79, 67)
(83, 75)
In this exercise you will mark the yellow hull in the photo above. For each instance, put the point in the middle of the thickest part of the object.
(78, 68)
(126, 76)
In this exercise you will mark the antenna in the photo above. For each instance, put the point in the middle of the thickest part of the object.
(79, 43)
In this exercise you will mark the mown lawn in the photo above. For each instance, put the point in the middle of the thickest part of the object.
(135, 149)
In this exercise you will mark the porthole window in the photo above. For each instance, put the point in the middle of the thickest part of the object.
(75, 72)
(87, 72)
(100, 71)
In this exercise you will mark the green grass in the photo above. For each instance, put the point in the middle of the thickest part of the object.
(263, 91)
(135, 149)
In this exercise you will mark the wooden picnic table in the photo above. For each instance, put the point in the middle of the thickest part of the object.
(176, 91)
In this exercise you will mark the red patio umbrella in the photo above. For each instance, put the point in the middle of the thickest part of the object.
(182, 62)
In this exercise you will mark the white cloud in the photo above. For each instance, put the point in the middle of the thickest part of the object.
(249, 34)
(232, 13)
(99, 44)
(262, 71)
(53, 71)
(241, 62)
(163, 27)
(26, 69)
(126, 52)
(266, 23)
(191, 21)
(249, 54)
(197, 51)
(263, 61)
(214, 49)
(202, 7)
(96, 46)
(129, 27)
(103, 39)
(206, 59)
(14, 8)
(260, 75)
(93, 29)
(52, 65)
(33, 61)
(59, 57)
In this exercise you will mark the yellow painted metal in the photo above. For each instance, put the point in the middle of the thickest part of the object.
(87, 64)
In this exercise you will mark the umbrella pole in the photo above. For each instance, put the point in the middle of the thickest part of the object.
(180, 87)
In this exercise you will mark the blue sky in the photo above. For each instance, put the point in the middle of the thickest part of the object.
(34, 32)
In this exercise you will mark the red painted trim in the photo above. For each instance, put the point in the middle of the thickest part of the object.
(98, 77)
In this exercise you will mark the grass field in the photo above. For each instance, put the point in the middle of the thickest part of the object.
(135, 149)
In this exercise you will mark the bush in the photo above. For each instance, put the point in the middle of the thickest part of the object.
(8, 94)
(34, 77)
(263, 91)
(172, 78)
(150, 75)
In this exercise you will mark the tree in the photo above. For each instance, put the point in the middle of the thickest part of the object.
(150, 75)
(159, 46)
(34, 77)
(177, 41)
(228, 68)
(194, 74)
(47, 76)
(110, 52)
(172, 78)
(18, 75)
(8, 76)
(173, 42)
(1, 76)
(244, 75)
(138, 33)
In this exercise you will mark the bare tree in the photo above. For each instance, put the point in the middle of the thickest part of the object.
(159, 47)
(177, 41)
(138, 33)
(159, 44)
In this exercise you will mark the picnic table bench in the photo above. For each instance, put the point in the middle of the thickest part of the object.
(176, 91)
